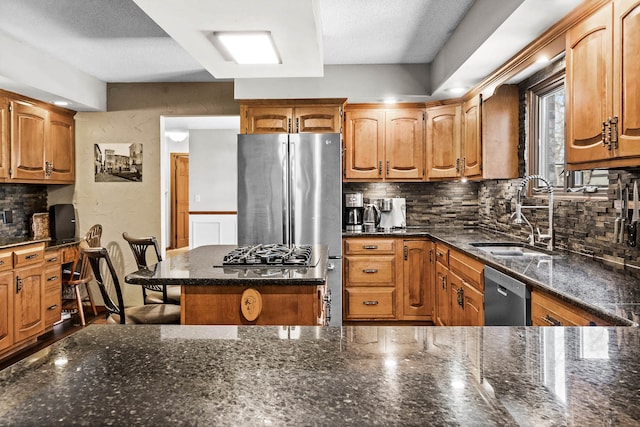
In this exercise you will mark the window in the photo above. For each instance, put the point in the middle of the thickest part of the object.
(547, 135)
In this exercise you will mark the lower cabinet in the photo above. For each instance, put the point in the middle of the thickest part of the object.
(52, 287)
(388, 279)
(547, 310)
(6, 310)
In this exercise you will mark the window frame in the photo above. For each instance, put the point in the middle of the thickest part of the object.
(534, 93)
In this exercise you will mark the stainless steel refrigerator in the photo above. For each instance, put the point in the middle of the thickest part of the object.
(290, 191)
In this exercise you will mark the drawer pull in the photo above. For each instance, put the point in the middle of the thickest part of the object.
(52, 307)
(370, 247)
(54, 259)
(439, 254)
(1, 262)
(551, 321)
(52, 278)
(32, 256)
(370, 270)
(370, 302)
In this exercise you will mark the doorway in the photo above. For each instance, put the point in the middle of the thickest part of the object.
(179, 200)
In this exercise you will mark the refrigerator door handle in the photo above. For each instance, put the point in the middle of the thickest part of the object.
(292, 190)
(286, 194)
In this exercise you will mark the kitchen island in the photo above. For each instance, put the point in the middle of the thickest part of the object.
(354, 375)
(217, 294)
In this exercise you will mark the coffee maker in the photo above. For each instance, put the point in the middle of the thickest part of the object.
(353, 212)
(393, 213)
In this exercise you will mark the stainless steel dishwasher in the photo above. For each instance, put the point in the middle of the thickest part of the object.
(507, 301)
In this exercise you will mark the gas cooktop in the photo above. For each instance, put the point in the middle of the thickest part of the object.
(270, 255)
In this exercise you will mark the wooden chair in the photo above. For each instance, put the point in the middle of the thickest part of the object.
(116, 310)
(150, 293)
(93, 236)
(77, 277)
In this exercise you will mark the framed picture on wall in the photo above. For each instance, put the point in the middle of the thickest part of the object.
(118, 162)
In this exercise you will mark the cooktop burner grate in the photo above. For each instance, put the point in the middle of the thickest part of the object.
(270, 254)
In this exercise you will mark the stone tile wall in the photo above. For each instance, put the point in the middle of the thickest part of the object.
(23, 200)
(428, 203)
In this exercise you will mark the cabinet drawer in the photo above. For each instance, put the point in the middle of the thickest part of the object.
(52, 305)
(368, 303)
(53, 277)
(469, 269)
(369, 246)
(51, 257)
(442, 254)
(69, 254)
(373, 270)
(28, 255)
(6, 260)
(549, 311)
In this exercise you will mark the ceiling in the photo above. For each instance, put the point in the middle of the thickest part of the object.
(91, 42)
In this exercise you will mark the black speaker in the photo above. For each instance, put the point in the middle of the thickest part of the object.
(62, 221)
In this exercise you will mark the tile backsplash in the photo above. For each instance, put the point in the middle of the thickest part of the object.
(23, 200)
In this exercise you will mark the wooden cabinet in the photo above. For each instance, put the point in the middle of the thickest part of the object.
(459, 289)
(6, 310)
(291, 116)
(370, 274)
(471, 143)
(603, 118)
(547, 310)
(500, 127)
(37, 141)
(443, 141)
(418, 298)
(384, 144)
(52, 287)
(5, 143)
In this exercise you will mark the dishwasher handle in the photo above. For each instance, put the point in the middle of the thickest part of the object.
(502, 291)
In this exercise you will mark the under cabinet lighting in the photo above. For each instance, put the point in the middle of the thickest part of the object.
(177, 135)
(247, 47)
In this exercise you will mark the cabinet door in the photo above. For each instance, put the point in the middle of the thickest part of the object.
(404, 144)
(627, 76)
(473, 306)
(471, 138)
(60, 152)
(317, 119)
(28, 302)
(364, 139)
(268, 120)
(4, 137)
(28, 136)
(6, 310)
(589, 87)
(443, 302)
(443, 141)
(417, 294)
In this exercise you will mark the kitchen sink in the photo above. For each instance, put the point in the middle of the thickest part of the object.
(511, 249)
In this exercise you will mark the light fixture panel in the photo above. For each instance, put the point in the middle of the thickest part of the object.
(247, 47)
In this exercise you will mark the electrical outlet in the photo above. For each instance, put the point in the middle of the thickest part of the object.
(7, 217)
(197, 198)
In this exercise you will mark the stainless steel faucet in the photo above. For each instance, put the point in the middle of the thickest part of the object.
(521, 219)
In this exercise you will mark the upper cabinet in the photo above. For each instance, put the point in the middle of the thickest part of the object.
(471, 145)
(500, 134)
(37, 141)
(384, 144)
(603, 118)
(443, 141)
(291, 116)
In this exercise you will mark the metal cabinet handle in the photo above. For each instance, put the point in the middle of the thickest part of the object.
(32, 256)
(614, 132)
(380, 167)
(444, 282)
(460, 297)
(18, 284)
(52, 278)
(331, 266)
(1, 262)
(289, 125)
(370, 270)
(54, 259)
(430, 255)
(52, 307)
(370, 302)
(297, 124)
(458, 165)
(370, 247)
(439, 254)
(604, 133)
(48, 168)
(406, 253)
(551, 320)
(387, 167)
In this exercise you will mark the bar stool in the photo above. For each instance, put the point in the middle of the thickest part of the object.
(151, 294)
(116, 310)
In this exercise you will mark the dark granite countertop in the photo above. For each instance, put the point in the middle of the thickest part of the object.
(203, 266)
(328, 376)
(607, 290)
(12, 242)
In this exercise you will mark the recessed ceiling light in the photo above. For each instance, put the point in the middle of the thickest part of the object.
(177, 135)
(390, 101)
(457, 90)
(247, 47)
(61, 103)
(542, 60)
